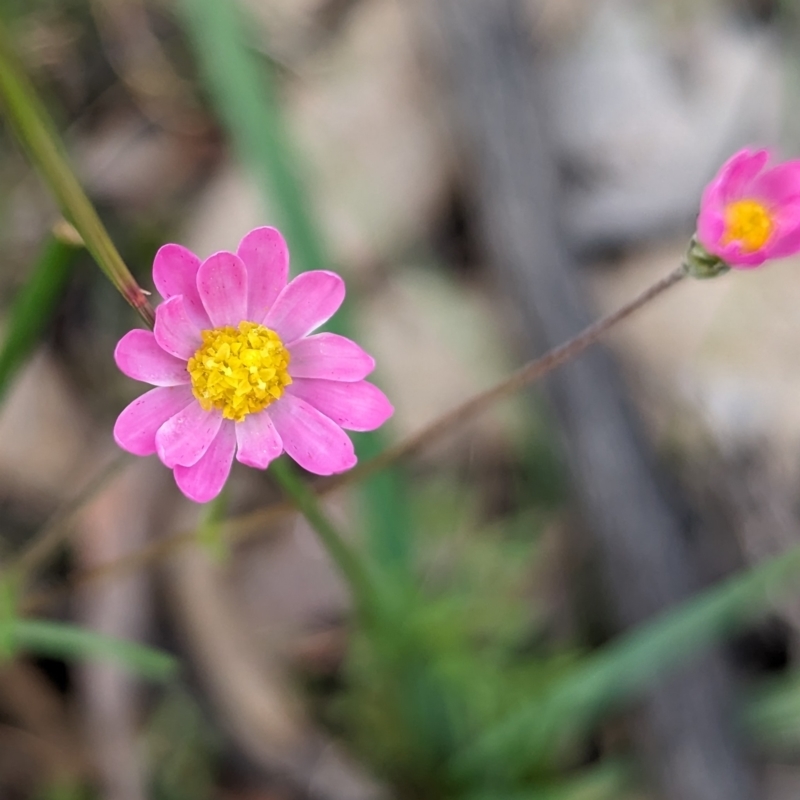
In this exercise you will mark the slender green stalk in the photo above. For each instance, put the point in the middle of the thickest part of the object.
(33, 306)
(211, 532)
(348, 562)
(36, 133)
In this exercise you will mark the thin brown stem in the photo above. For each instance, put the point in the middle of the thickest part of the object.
(527, 374)
(245, 526)
(56, 530)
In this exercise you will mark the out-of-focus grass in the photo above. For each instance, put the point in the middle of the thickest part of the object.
(771, 714)
(469, 692)
(182, 749)
(353, 568)
(609, 780)
(72, 643)
(243, 91)
(210, 534)
(34, 305)
(573, 703)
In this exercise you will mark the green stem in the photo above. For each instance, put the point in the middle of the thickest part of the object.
(351, 566)
(211, 533)
(35, 130)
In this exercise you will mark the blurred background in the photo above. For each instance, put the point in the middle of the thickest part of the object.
(489, 176)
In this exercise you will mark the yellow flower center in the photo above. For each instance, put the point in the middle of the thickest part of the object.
(748, 222)
(239, 371)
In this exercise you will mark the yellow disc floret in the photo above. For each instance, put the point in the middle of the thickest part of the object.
(240, 371)
(748, 222)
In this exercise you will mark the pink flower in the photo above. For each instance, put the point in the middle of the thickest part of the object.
(749, 213)
(237, 372)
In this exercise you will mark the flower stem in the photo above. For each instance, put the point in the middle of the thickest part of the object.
(351, 566)
(35, 130)
(524, 376)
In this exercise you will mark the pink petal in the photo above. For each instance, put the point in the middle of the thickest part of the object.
(266, 258)
(204, 480)
(710, 229)
(135, 429)
(139, 356)
(309, 300)
(328, 355)
(739, 171)
(787, 243)
(737, 258)
(314, 441)
(174, 330)
(258, 440)
(222, 283)
(183, 438)
(359, 406)
(779, 185)
(175, 272)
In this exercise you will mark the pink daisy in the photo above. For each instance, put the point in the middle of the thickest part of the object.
(237, 372)
(750, 213)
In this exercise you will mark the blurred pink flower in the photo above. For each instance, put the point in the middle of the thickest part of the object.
(749, 213)
(237, 372)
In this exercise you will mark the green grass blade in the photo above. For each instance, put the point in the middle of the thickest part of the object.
(345, 557)
(246, 101)
(243, 91)
(623, 668)
(70, 642)
(771, 714)
(35, 131)
(33, 306)
(609, 780)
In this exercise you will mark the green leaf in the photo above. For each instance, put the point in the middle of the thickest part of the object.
(33, 306)
(70, 642)
(35, 131)
(624, 668)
